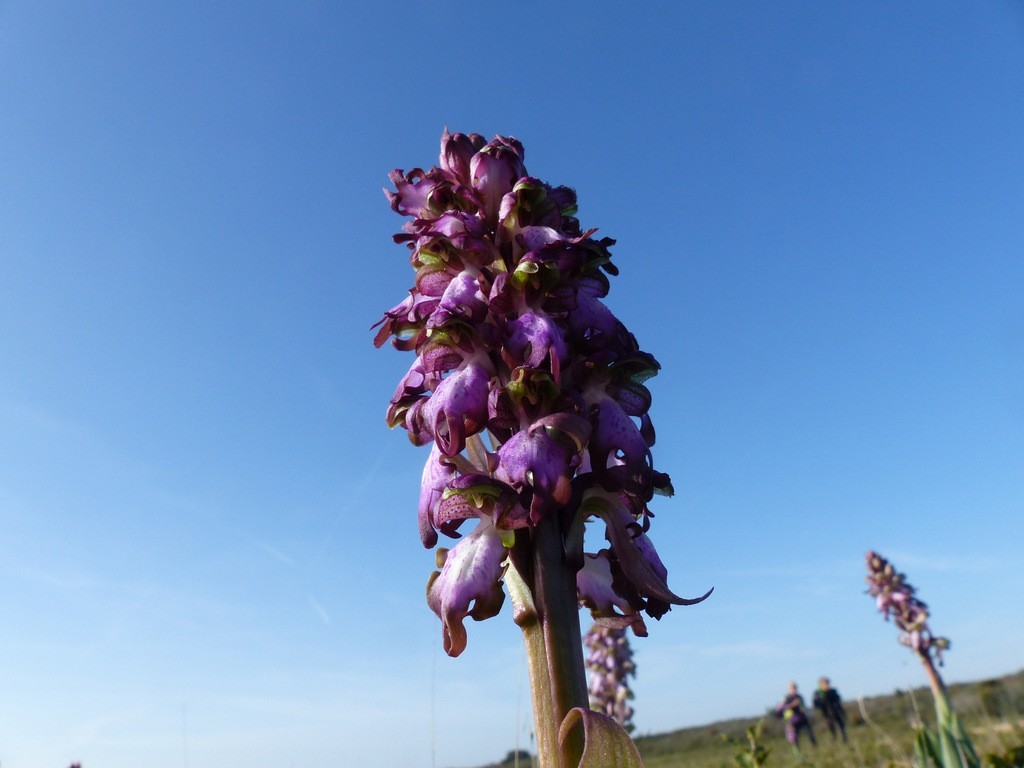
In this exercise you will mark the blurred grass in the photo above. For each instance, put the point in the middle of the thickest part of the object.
(880, 731)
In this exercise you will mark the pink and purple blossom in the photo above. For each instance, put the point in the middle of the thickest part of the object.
(530, 391)
(896, 600)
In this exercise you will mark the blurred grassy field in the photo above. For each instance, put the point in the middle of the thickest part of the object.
(880, 731)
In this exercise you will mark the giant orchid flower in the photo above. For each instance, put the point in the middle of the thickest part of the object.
(896, 600)
(526, 385)
(948, 745)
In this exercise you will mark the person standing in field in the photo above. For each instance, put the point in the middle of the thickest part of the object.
(791, 709)
(826, 699)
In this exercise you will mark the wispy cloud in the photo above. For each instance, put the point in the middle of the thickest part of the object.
(117, 598)
(320, 610)
(910, 562)
(274, 552)
(356, 493)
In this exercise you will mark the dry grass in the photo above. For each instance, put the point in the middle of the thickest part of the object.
(880, 731)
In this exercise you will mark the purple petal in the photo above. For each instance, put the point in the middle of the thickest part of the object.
(458, 408)
(470, 575)
(413, 189)
(404, 320)
(412, 420)
(638, 559)
(433, 280)
(493, 171)
(462, 299)
(534, 338)
(457, 150)
(412, 384)
(593, 323)
(532, 460)
(619, 454)
(478, 495)
(535, 238)
(437, 473)
(595, 590)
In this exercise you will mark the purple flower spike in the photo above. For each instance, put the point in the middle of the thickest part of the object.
(895, 599)
(610, 662)
(528, 388)
(470, 575)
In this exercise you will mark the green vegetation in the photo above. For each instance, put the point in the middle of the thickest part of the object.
(881, 730)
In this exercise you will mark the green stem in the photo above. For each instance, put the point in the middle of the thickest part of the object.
(545, 722)
(954, 743)
(548, 615)
(939, 693)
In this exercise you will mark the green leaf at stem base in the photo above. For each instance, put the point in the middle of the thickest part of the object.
(606, 743)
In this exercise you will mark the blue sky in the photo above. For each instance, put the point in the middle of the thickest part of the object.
(209, 553)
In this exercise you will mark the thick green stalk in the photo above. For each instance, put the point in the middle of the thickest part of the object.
(955, 745)
(555, 592)
(545, 720)
(938, 687)
(547, 613)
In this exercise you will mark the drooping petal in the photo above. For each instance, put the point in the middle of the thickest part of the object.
(462, 299)
(408, 400)
(470, 575)
(619, 454)
(534, 461)
(535, 339)
(592, 323)
(478, 495)
(458, 408)
(635, 554)
(595, 589)
(409, 414)
(437, 474)
(412, 384)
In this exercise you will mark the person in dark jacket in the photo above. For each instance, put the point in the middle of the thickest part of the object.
(826, 699)
(791, 709)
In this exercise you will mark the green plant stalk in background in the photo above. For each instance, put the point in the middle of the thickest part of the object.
(950, 746)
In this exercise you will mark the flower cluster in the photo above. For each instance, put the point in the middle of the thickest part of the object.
(514, 343)
(610, 662)
(895, 599)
